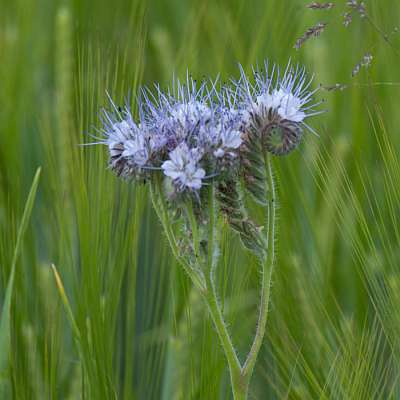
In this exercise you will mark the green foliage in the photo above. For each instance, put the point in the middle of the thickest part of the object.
(136, 328)
(5, 320)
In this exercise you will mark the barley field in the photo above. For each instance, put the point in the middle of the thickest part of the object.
(93, 302)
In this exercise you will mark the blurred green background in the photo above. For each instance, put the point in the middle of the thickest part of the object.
(137, 330)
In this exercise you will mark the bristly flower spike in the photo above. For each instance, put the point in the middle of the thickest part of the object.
(129, 143)
(178, 118)
(278, 105)
(197, 131)
(184, 132)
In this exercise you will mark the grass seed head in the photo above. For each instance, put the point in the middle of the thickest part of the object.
(364, 63)
(314, 31)
(315, 5)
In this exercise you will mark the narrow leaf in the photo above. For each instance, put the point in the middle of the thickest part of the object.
(5, 317)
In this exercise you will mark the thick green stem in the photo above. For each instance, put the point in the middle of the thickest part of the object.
(267, 267)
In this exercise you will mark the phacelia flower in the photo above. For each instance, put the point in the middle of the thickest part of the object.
(228, 137)
(228, 126)
(182, 133)
(229, 140)
(197, 133)
(179, 114)
(191, 133)
(278, 105)
(130, 144)
(182, 167)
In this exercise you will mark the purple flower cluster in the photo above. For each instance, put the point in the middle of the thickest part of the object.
(194, 132)
(287, 95)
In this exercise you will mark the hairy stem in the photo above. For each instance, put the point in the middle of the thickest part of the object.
(240, 376)
(194, 228)
(159, 204)
(207, 288)
(214, 308)
(211, 297)
(267, 267)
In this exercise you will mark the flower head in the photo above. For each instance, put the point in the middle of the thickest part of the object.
(196, 133)
(182, 167)
(177, 115)
(190, 133)
(228, 125)
(227, 133)
(130, 145)
(278, 105)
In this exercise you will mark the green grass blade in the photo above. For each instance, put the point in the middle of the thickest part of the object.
(5, 319)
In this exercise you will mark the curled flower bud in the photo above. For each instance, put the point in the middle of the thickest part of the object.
(281, 137)
(278, 106)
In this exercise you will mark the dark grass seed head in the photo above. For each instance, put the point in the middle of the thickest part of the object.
(315, 5)
(314, 31)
